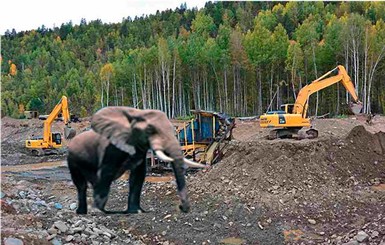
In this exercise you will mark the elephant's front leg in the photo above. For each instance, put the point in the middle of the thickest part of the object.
(136, 181)
(102, 186)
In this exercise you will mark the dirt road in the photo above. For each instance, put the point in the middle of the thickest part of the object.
(329, 190)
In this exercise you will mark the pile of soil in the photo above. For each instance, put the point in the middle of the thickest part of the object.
(302, 180)
(254, 167)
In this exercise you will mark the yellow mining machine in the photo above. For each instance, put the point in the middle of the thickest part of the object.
(50, 142)
(293, 117)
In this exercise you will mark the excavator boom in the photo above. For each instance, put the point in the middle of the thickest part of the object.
(300, 106)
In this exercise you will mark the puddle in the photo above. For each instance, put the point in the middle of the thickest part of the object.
(58, 171)
(35, 166)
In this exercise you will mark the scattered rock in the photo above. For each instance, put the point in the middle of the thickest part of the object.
(13, 241)
(58, 205)
(50, 237)
(375, 234)
(52, 231)
(73, 206)
(78, 229)
(61, 226)
(56, 242)
(351, 243)
(362, 236)
(312, 221)
(22, 194)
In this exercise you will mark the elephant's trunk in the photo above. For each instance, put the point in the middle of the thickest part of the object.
(179, 171)
(175, 152)
(171, 147)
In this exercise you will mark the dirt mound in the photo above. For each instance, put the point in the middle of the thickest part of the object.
(257, 170)
(309, 185)
(376, 141)
(360, 156)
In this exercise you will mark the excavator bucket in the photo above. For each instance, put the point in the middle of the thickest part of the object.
(69, 133)
(356, 107)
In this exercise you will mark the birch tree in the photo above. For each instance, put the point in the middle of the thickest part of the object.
(374, 54)
(106, 75)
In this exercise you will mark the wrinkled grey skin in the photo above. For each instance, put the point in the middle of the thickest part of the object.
(118, 141)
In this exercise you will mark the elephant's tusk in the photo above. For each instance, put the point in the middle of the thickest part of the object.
(163, 156)
(193, 164)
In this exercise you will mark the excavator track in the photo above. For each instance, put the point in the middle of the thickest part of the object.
(283, 133)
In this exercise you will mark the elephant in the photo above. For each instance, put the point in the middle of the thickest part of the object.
(119, 140)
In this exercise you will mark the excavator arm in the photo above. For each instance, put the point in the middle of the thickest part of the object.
(301, 103)
(61, 107)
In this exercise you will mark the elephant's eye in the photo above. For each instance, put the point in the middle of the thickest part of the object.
(150, 130)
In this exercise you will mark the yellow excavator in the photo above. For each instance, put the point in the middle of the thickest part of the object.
(52, 141)
(293, 117)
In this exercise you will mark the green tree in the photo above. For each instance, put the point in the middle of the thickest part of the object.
(257, 46)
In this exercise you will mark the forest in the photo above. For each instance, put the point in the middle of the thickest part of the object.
(240, 58)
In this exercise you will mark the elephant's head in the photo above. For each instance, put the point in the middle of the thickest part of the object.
(129, 128)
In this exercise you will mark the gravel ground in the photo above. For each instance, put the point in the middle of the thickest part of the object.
(329, 190)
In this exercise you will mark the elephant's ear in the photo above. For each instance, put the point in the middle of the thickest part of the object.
(115, 123)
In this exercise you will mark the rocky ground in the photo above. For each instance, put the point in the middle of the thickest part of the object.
(329, 190)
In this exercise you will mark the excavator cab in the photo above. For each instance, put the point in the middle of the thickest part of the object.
(285, 109)
(288, 108)
(56, 137)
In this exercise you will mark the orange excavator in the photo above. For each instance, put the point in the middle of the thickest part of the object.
(293, 117)
(52, 141)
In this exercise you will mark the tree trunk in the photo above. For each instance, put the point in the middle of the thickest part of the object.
(366, 50)
(316, 76)
(259, 81)
(108, 91)
(347, 69)
(226, 92)
(173, 88)
(338, 99)
(102, 96)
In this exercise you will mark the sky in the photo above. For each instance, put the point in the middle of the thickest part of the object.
(24, 15)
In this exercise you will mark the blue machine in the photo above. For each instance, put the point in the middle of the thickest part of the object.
(203, 137)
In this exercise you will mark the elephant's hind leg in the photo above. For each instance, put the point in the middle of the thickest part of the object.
(81, 184)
